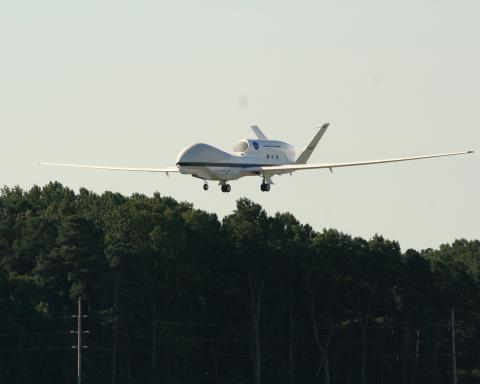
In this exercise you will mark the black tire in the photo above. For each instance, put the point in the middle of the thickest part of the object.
(228, 188)
(262, 187)
(267, 187)
(222, 188)
(205, 187)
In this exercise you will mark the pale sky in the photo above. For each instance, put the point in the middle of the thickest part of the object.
(130, 83)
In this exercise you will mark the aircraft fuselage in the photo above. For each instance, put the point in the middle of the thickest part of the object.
(209, 163)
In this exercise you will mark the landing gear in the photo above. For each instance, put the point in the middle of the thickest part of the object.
(226, 188)
(264, 187)
(205, 187)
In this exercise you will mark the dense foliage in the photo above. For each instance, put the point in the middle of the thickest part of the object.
(173, 295)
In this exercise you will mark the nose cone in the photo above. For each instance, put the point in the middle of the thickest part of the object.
(197, 153)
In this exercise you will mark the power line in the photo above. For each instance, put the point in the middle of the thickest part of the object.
(34, 349)
(182, 338)
(300, 327)
(283, 356)
(33, 334)
(34, 318)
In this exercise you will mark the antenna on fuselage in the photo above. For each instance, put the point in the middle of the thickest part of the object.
(258, 132)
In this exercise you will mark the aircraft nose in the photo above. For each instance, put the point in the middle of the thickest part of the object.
(201, 153)
(189, 153)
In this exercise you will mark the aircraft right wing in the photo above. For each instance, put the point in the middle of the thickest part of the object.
(165, 170)
(273, 169)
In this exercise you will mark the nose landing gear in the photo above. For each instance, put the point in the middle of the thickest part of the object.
(205, 186)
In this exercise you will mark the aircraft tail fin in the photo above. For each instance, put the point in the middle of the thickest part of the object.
(258, 132)
(307, 152)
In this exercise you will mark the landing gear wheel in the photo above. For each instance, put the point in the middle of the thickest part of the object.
(226, 188)
(205, 187)
(265, 187)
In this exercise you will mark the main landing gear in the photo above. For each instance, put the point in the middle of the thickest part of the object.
(205, 187)
(264, 187)
(226, 188)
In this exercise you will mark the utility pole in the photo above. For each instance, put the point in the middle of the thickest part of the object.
(454, 353)
(79, 341)
(79, 345)
(154, 341)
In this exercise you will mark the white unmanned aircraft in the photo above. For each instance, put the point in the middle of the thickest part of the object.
(251, 157)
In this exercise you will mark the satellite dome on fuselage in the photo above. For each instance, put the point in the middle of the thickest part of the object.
(201, 152)
(253, 146)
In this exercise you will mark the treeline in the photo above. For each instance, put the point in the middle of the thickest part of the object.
(173, 295)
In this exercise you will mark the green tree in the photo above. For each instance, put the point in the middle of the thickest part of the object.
(248, 230)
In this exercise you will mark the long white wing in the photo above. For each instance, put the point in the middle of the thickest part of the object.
(299, 167)
(130, 169)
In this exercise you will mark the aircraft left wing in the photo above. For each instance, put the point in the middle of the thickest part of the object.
(166, 170)
(272, 169)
